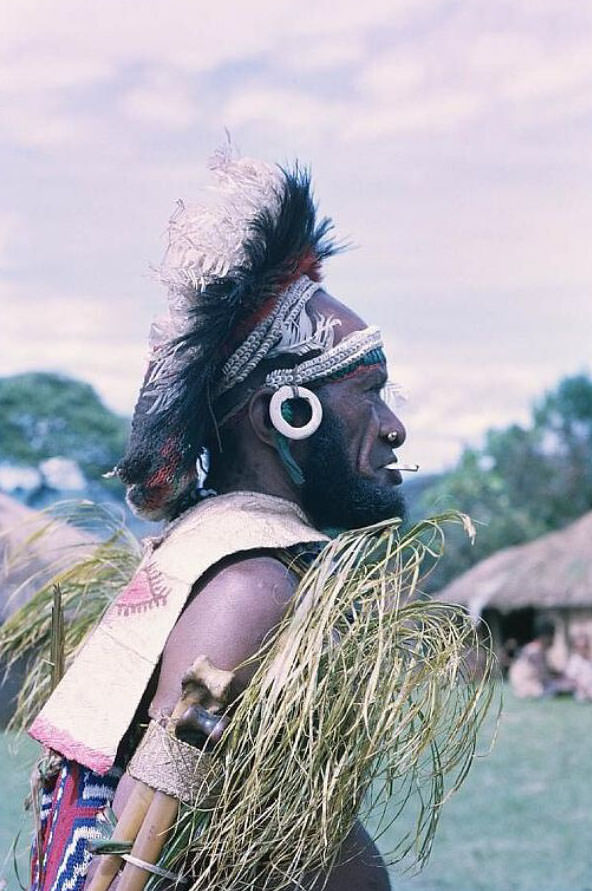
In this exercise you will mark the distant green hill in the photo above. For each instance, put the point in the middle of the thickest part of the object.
(43, 415)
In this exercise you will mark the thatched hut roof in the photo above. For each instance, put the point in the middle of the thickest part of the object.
(554, 570)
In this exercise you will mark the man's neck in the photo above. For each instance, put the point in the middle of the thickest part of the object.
(271, 484)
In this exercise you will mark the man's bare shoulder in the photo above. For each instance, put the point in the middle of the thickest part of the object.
(261, 582)
(230, 616)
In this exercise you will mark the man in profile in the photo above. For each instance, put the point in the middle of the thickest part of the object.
(260, 426)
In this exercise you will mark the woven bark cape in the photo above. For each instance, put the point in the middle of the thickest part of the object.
(87, 722)
(365, 695)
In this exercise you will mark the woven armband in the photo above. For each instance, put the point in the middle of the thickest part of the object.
(169, 765)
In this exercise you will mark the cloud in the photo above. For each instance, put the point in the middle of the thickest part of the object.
(552, 76)
(377, 114)
(38, 88)
(401, 70)
(162, 100)
(74, 48)
(524, 69)
(321, 55)
(74, 336)
(182, 34)
(503, 52)
(439, 112)
(451, 140)
(45, 125)
(392, 74)
(46, 70)
(292, 109)
(9, 227)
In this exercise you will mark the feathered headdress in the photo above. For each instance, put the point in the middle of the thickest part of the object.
(229, 263)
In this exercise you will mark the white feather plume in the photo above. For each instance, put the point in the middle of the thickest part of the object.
(207, 240)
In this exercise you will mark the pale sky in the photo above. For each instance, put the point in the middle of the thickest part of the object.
(450, 141)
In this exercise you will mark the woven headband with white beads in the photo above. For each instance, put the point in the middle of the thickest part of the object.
(289, 329)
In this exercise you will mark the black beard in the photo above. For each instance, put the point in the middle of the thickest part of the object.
(333, 494)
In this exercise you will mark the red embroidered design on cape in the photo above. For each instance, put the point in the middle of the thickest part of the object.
(146, 590)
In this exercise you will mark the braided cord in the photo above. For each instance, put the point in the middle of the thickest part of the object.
(260, 341)
(338, 359)
(374, 357)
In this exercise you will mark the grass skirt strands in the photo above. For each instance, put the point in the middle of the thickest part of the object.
(365, 695)
(127, 643)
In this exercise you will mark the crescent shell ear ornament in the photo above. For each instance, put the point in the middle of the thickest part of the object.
(286, 393)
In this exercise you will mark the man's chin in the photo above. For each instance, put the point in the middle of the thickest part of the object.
(389, 504)
(362, 504)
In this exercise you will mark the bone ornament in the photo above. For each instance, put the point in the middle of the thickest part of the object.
(285, 394)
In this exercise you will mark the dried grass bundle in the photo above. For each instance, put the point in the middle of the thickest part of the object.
(365, 694)
(89, 567)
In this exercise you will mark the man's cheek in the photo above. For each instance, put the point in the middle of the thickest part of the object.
(367, 441)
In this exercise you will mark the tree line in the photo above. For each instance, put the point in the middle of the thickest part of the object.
(43, 415)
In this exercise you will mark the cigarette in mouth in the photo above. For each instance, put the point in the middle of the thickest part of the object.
(410, 468)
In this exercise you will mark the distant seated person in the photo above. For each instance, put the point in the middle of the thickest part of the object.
(508, 654)
(531, 675)
(579, 667)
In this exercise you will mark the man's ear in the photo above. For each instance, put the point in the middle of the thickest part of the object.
(259, 416)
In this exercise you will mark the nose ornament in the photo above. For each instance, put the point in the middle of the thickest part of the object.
(392, 439)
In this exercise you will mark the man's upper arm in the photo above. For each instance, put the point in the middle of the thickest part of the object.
(228, 619)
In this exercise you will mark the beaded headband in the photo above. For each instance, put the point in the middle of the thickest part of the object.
(290, 330)
(348, 352)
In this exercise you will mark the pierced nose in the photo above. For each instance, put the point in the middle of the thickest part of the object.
(392, 437)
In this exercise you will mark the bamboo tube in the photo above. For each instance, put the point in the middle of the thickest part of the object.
(127, 828)
(204, 684)
(150, 841)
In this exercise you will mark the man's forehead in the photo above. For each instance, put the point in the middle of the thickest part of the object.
(324, 304)
(371, 371)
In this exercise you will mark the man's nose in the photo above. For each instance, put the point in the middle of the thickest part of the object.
(393, 429)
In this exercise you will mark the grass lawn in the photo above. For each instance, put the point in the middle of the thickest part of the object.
(522, 821)
(15, 769)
